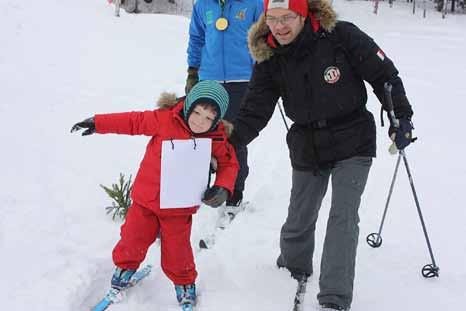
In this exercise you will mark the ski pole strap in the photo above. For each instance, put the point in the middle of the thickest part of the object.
(381, 117)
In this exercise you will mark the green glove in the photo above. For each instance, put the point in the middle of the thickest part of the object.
(192, 79)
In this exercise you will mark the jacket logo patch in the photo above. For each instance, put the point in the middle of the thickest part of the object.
(241, 15)
(332, 75)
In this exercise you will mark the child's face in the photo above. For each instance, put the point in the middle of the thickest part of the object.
(201, 119)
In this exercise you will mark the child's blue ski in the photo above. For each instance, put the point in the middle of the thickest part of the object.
(187, 307)
(115, 295)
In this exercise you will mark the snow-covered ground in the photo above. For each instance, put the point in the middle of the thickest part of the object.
(62, 61)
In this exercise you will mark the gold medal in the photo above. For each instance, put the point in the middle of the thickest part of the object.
(221, 23)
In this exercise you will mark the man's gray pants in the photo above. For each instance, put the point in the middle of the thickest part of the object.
(339, 253)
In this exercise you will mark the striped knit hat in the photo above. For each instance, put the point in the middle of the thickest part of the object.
(210, 92)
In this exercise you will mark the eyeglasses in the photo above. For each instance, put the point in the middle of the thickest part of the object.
(284, 20)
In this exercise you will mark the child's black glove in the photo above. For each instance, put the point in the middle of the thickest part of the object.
(215, 196)
(87, 124)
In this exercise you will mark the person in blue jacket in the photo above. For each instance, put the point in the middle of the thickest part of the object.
(218, 50)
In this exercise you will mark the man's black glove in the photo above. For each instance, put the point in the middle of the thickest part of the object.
(215, 196)
(87, 124)
(402, 136)
(192, 79)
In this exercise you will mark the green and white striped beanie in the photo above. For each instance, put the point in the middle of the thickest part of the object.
(207, 91)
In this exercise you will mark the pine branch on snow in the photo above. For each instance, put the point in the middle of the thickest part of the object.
(120, 194)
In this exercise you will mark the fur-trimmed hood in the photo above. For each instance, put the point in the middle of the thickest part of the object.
(257, 36)
(168, 100)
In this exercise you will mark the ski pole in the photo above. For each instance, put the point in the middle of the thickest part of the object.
(429, 270)
(283, 116)
(375, 239)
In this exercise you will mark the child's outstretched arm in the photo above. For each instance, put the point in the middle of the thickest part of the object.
(128, 123)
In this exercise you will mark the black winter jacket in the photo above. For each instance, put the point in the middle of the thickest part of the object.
(320, 78)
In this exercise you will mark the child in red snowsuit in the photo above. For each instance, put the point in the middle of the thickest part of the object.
(196, 116)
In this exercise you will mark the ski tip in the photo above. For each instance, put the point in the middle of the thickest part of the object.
(102, 305)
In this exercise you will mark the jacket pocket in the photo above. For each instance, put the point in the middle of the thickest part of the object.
(356, 137)
(299, 140)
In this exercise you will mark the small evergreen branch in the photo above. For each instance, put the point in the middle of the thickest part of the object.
(120, 194)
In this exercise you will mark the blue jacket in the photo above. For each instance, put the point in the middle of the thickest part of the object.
(222, 55)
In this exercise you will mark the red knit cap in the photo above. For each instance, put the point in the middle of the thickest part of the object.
(299, 6)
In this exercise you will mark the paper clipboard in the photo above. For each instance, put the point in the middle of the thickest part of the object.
(184, 171)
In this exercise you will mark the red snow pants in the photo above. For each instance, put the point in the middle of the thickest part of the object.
(140, 230)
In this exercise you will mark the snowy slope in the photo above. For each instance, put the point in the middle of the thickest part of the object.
(63, 61)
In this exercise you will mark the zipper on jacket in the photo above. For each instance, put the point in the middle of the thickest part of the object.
(226, 12)
(282, 68)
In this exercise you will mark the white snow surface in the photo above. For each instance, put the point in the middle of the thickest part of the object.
(63, 61)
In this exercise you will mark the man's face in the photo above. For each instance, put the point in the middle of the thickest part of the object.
(201, 119)
(284, 24)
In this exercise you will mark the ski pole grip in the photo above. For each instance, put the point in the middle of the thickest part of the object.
(389, 104)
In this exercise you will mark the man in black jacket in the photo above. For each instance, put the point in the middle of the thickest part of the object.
(317, 66)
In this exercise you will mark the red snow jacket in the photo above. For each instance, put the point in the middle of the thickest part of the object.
(166, 124)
